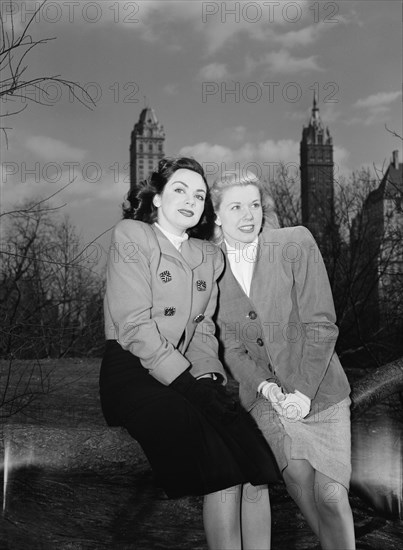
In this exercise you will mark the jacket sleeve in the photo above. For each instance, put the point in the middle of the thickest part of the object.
(203, 348)
(316, 312)
(129, 301)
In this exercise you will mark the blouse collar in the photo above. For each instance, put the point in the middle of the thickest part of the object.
(176, 240)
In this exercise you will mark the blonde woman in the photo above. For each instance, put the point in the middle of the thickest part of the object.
(276, 323)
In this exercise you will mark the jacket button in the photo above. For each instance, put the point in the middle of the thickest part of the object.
(252, 315)
(199, 318)
(259, 342)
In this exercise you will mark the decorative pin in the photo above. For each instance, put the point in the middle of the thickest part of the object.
(166, 276)
(201, 285)
(169, 311)
(199, 318)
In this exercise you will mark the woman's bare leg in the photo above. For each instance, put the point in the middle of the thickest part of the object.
(299, 477)
(336, 525)
(255, 517)
(222, 519)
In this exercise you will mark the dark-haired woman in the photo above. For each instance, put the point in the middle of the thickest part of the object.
(160, 376)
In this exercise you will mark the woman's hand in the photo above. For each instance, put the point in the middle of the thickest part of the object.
(208, 395)
(295, 406)
(271, 391)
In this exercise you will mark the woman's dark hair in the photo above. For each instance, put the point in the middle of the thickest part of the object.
(139, 203)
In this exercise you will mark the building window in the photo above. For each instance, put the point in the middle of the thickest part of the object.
(150, 147)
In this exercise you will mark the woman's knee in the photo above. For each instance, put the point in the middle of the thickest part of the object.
(254, 493)
(331, 498)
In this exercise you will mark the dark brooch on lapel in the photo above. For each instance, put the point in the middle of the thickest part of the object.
(166, 276)
(201, 285)
(169, 311)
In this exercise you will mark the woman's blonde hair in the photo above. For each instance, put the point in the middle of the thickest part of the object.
(229, 179)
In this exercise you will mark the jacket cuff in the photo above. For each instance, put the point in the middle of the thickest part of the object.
(170, 368)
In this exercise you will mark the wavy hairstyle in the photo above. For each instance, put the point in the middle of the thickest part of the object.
(230, 179)
(139, 203)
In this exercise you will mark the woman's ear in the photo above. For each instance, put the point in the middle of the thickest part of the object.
(217, 221)
(157, 201)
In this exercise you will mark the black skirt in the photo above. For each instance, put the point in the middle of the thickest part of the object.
(189, 454)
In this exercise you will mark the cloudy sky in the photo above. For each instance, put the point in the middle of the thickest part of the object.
(231, 83)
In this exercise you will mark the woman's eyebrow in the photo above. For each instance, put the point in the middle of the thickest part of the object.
(186, 185)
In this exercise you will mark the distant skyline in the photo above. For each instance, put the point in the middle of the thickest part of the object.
(231, 83)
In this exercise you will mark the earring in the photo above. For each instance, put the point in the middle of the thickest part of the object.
(156, 201)
(217, 222)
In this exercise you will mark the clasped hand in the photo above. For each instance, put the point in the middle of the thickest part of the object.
(292, 406)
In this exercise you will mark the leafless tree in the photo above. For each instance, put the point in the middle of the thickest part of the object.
(43, 273)
(15, 49)
(48, 285)
(285, 190)
(50, 300)
(363, 258)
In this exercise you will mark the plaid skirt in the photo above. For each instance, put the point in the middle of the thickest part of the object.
(189, 453)
(323, 439)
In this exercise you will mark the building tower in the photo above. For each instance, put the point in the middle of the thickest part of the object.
(146, 146)
(317, 193)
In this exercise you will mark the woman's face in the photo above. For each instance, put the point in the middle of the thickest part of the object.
(240, 214)
(181, 203)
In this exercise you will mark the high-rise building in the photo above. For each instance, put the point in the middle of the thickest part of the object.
(317, 192)
(146, 146)
(377, 249)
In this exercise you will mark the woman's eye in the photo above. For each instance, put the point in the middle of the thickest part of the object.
(179, 190)
(200, 197)
(235, 207)
(256, 205)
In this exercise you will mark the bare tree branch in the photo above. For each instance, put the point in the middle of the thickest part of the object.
(14, 52)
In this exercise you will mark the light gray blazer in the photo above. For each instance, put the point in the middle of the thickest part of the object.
(159, 302)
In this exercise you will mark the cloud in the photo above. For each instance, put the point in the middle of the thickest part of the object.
(261, 157)
(224, 22)
(340, 158)
(93, 206)
(380, 99)
(217, 23)
(170, 89)
(282, 62)
(302, 37)
(237, 134)
(377, 107)
(53, 150)
(213, 71)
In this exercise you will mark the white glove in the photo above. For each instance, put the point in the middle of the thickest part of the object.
(295, 406)
(271, 391)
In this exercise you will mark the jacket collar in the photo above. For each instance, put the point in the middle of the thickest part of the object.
(191, 253)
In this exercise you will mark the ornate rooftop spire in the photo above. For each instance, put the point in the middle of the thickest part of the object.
(315, 117)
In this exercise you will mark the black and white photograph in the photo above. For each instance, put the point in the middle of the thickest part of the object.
(201, 275)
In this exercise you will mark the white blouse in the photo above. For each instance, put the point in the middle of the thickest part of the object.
(242, 259)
